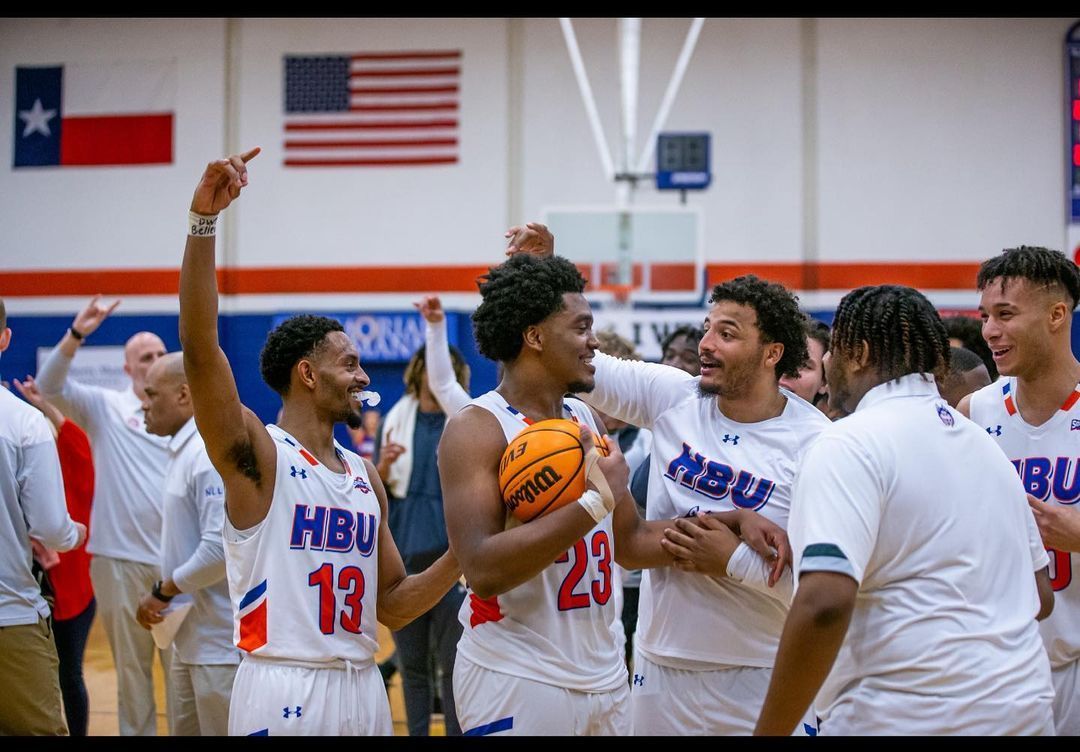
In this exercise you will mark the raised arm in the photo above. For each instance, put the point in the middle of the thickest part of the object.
(53, 380)
(493, 557)
(236, 440)
(30, 391)
(450, 395)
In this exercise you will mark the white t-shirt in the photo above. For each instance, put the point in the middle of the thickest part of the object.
(192, 552)
(562, 626)
(703, 461)
(1047, 458)
(32, 494)
(916, 504)
(129, 463)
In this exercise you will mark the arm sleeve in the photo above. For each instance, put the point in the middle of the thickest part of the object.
(80, 401)
(635, 392)
(836, 508)
(1039, 557)
(747, 566)
(440, 370)
(206, 566)
(41, 489)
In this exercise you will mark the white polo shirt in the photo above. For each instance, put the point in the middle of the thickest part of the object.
(129, 463)
(918, 506)
(193, 551)
(704, 461)
(32, 494)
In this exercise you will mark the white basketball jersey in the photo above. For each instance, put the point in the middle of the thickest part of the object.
(556, 628)
(1047, 457)
(304, 582)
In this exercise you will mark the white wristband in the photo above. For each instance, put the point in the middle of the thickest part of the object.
(202, 226)
(593, 503)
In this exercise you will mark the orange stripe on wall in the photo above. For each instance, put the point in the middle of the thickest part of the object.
(404, 279)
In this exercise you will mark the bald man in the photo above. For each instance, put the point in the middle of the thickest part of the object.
(125, 521)
(204, 659)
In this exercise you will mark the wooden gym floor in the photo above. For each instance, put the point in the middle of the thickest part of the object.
(101, 686)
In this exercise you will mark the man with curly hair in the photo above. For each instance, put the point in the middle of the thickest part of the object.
(727, 441)
(539, 653)
(311, 561)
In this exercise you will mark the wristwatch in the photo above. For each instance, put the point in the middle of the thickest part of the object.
(156, 592)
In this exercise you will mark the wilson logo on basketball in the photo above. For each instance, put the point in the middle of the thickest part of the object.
(542, 469)
(529, 491)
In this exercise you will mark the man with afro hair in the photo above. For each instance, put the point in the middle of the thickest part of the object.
(726, 445)
(540, 652)
(310, 558)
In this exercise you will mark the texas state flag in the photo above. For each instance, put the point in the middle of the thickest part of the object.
(105, 114)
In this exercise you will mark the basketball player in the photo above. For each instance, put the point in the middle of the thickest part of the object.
(908, 525)
(727, 441)
(539, 654)
(1028, 298)
(311, 562)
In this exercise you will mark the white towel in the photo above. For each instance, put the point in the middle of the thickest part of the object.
(400, 425)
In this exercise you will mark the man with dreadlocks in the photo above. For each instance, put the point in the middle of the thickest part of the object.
(1033, 414)
(904, 525)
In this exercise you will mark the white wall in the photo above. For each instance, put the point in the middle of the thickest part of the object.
(937, 139)
(87, 217)
(373, 216)
(940, 139)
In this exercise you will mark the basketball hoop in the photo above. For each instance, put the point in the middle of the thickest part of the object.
(620, 294)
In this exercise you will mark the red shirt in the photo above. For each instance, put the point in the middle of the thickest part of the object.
(71, 577)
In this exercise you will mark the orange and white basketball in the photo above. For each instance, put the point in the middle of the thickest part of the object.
(543, 468)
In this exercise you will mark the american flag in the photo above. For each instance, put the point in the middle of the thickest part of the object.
(372, 109)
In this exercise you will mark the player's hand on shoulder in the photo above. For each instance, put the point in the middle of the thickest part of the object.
(532, 238)
(222, 182)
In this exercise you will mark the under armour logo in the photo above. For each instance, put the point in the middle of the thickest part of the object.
(301, 472)
(995, 431)
(286, 712)
(639, 680)
(733, 439)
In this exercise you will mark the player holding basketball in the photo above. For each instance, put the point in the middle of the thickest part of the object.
(910, 526)
(539, 654)
(727, 441)
(311, 562)
(1028, 298)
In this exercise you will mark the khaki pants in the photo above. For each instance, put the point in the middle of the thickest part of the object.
(118, 586)
(201, 696)
(31, 681)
